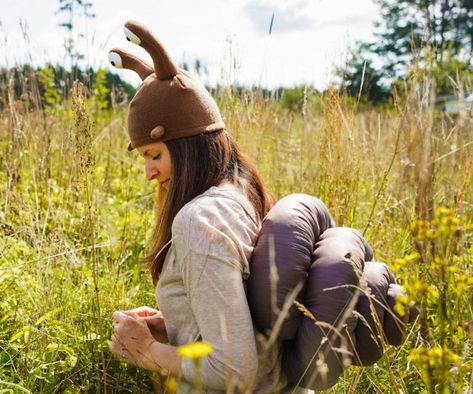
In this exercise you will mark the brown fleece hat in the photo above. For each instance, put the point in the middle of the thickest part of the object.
(170, 103)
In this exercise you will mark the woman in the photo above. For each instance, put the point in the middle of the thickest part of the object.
(211, 204)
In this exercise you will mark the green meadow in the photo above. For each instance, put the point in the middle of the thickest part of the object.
(76, 213)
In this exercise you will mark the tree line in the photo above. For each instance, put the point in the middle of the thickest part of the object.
(51, 84)
(435, 34)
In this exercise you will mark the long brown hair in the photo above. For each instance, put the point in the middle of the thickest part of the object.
(198, 163)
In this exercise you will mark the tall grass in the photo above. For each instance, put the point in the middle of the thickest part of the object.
(76, 212)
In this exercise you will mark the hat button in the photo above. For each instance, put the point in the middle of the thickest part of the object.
(157, 132)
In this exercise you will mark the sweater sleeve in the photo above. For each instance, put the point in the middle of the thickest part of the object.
(205, 240)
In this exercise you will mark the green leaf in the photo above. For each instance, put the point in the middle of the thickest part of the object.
(21, 332)
(48, 315)
(16, 386)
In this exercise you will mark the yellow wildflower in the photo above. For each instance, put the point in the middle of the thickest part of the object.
(171, 385)
(195, 350)
(401, 304)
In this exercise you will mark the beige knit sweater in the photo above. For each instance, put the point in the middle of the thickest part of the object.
(202, 294)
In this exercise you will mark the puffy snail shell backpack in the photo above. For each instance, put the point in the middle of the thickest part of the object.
(314, 287)
(345, 301)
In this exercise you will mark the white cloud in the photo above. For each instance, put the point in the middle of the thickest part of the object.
(308, 36)
(286, 17)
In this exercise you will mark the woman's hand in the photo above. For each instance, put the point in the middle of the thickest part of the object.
(154, 319)
(132, 340)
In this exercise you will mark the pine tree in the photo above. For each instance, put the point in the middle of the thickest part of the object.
(437, 33)
(417, 27)
(73, 9)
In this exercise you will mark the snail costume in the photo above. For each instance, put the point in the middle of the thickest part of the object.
(313, 303)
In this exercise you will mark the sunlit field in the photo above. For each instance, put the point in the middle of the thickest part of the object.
(77, 213)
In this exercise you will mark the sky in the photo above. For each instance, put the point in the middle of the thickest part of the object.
(309, 38)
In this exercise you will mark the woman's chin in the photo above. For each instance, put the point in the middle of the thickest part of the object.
(165, 184)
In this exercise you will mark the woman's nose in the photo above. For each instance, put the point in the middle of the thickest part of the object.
(150, 170)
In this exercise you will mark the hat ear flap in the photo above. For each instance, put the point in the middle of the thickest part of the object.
(164, 66)
(123, 59)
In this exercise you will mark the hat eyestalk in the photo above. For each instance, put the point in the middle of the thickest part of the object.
(123, 59)
(164, 66)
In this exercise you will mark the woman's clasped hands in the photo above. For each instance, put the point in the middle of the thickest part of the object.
(136, 333)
